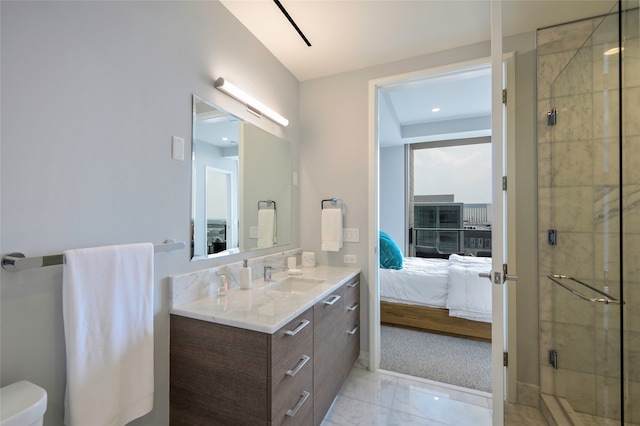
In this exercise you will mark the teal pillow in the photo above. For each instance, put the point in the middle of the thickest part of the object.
(390, 254)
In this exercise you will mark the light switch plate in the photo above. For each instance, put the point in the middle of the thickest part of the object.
(350, 258)
(351, 235)
(177, 148)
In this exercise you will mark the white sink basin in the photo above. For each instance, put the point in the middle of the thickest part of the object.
(295, 285)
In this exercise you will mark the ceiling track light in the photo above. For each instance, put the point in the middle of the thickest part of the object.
(253, 105)
(284, 11)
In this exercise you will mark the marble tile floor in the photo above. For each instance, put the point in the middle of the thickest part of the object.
(386, 398)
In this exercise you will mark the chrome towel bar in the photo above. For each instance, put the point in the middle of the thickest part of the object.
(17, 261)
(607, 299)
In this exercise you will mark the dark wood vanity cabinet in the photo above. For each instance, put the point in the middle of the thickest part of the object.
(336, 343)
(223, 375)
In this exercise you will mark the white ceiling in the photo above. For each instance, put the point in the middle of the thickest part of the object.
(347, 35)
(451, 106)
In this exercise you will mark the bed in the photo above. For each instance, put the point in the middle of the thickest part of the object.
(438, 295)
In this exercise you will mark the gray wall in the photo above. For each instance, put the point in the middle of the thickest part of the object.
(92, 93)
(392, 197)
(334, 117)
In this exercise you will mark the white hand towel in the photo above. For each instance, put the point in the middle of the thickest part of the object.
(331, 229)
(107, 301)
(266, 228)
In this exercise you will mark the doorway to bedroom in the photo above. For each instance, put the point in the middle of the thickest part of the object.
(434, 210)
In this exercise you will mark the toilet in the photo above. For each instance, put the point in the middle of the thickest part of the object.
(22, 404)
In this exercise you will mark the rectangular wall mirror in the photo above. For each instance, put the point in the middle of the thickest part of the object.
(240, 185)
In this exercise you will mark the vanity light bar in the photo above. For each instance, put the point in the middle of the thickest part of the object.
(253, 105)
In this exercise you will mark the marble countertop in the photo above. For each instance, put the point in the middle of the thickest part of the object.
(261, 308)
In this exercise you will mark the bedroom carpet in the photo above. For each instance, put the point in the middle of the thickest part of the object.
(445, 359)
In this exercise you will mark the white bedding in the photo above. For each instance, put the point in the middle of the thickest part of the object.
(451, 283)
(469, 294)
(421, 281)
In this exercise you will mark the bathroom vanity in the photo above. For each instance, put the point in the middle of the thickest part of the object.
(276, 354)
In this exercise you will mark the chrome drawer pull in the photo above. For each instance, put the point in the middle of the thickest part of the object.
(353, 284)
(354, 307)
(302, 325)
(352, 332)
(333, 300)
(303, 361)
(303, 398)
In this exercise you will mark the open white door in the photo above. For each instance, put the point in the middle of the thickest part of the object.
(498, 203)
(502, 227)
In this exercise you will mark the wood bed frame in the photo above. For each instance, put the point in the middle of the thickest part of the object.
(433, 320)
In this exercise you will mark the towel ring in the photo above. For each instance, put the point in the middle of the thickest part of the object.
(268, 203)
(333, 201)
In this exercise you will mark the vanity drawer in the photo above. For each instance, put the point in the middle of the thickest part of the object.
(329, 312)
(290, 340)
(301, 414)
(289, 383)
(352, 292)
(352, 309)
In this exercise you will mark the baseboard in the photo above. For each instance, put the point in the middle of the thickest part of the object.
(363, 360)
(528, 394)
(558, 412)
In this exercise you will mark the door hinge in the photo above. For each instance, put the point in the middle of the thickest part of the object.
(504, 96)
(505, 359)
(504, 183)
(505, 274)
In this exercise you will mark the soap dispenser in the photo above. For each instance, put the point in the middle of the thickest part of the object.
(245, 275)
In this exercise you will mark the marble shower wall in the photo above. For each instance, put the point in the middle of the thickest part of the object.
(579, 196)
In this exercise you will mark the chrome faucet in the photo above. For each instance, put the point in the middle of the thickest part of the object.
(269, 269)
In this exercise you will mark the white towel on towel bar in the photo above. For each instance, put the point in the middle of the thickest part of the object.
(107, 298)
(266, 228)
(331, 229)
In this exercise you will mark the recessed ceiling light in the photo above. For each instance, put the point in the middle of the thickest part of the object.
(613, 51)
(436, 109)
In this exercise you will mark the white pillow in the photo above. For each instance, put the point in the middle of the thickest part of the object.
(456, 259)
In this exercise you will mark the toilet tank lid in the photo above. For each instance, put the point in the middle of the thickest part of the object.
(22, 403)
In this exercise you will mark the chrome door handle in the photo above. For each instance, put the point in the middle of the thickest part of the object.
(352, 332)
(498, 278)
(354, 307)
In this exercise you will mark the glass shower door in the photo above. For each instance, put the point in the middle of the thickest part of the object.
(584, 310)
(630, 132)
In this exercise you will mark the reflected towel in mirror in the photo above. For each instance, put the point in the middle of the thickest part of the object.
(266, 228)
